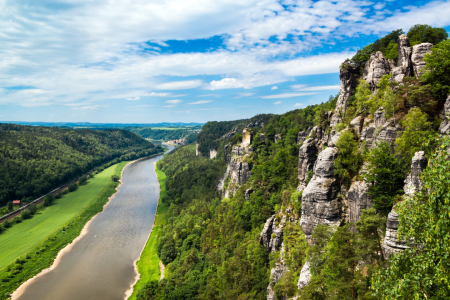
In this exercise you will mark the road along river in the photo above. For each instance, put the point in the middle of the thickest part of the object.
(99, 265)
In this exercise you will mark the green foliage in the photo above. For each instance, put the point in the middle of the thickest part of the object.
(437, 70)
(35, 160)
(390, 103)
(10, 206)
(166, 134)
(418, 130)
(421, 33)
(391, 51)
(72, 187)
(385, 176)
(48, 200)
(363, 96)
(423, 271)
(82, 180)
(115, 178)
(25, 214)
(349, 159)
(149, 292)
(309, 176)
(415, 92)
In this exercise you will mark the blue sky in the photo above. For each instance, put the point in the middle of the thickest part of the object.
(153, 61)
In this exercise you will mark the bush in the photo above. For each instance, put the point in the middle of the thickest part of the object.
(17, 220)
(426, 34)
(32, 208)
(7, 224)
(72, 187)
(385, 176)
(82, 180)
(349, 159)
(48, 200)
(437, 70)
(115, 178)
(26, 214)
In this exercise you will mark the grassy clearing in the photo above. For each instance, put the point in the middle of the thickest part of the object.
(148, 264)
(37, 241)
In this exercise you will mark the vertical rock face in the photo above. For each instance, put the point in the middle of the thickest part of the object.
(418, 52)
(391, 64)
(302, 135)
(444, 128)
(305, 276)
(319, 201)
(212, 153)
(276, 138)
(348, 76)
(358, 199)
(404, 64)
(392, 244)
(357, 123)
(246, 137)
(375, 68)
(307, 156)
(271, 236)
(276, 274)
(266, 233)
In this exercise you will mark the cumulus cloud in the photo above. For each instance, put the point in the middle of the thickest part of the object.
(201, 102)
(274, 87)
(175, 101)
(179, 85)
(298, 104)
(278, 102)
(301, 87)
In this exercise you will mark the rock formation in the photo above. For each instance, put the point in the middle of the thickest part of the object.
(307, 156)
(302, 135)
(392, 244)
(247, 194)
(212, 153)
(319, 201)
(357, 123)
(276, 138)
(348, 76)
(444, 128)
(272, 234)
(305, 276)
(404, 64)
(375, 68)
(418, 53)
(358, 199)
(247, 137)
(276, 274)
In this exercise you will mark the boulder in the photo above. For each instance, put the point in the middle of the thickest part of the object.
(358, 199)
(357, 123)
(307, 156)
(319, 201)
(418, 52)
(444, 128)
(305, 276)
(404, 64)
(375, 68)
(212, 153)
(348, 76)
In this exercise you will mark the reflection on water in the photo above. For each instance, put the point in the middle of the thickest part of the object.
(100, 264)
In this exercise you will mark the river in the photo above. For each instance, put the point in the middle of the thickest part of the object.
(100, 263)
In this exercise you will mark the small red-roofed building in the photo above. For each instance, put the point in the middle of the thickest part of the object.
(17, 202)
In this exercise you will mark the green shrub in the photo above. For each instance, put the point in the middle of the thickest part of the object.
(72, 187)
(32, 208)
(17, 220)
(349, 159)
(7, 224)
(48, 200)
(26, 214)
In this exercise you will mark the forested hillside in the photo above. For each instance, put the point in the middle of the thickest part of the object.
(35, 160)
(166, 134)
(313, 203)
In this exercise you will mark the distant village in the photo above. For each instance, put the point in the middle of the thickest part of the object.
(177, 142)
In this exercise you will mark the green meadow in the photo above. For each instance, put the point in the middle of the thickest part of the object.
(148, 264)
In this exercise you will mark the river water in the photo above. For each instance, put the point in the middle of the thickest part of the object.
(100, 264)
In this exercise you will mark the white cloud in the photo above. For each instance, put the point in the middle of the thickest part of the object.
(139, 106)
(226, 83)
(240, 95)
(201, 102)
(301, 87)
(134, 98)
(153, 94)
(286, 95)
(179, 85)
(175, 101)
(298, 104)
(278, 102)
(274, 87)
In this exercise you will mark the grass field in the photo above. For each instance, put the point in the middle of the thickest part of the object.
(37, 241)
(148, 264)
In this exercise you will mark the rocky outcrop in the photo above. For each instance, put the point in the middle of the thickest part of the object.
(247, 137)
(302, 135)
(357, 123)
(276, 274)
(276, 138)
(305, 276)
(418, 52)
(391, 63)
(230, 134)
(212, 153)
(348, 76)
(444, 128)
(271, 236)
(404, 64)
(392, 244)
(307, 156)
(358, 199)
(247, 194)
(380, 130)
(238, 170)
(319, 201)
(375, 68)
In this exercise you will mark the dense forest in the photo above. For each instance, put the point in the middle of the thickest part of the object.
(166, 134)
(35, 160)
(212, 246)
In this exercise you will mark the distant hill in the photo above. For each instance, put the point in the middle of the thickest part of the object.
(102, 125)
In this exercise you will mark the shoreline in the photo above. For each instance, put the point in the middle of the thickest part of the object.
(129, 292)
(21, 289)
